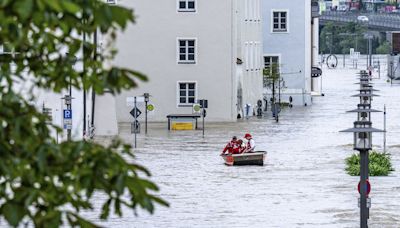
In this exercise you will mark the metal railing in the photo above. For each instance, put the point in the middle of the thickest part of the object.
(387, 21)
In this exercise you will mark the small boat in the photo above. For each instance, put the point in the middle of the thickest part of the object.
(251, 158)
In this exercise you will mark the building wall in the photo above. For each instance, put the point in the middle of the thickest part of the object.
(150, 46)
(250, 52)
(293, 47)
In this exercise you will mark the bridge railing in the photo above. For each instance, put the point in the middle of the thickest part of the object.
(383, 20)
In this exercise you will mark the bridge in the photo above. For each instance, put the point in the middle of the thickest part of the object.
(376, 21)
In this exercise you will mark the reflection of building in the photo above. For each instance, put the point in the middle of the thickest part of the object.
(291, 40)
(194, 50)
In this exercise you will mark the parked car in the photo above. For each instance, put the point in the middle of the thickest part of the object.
(363, 18)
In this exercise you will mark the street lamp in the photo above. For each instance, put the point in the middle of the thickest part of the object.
(362, 141)
(363, 112)
(146, 101)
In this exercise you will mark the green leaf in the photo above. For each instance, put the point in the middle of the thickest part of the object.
(70, 6)
(13, 213)
(54, 4)
(23, 8)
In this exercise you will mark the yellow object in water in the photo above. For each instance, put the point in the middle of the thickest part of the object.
(181, 126)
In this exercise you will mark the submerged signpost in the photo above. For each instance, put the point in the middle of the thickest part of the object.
(135, 112)
(204, 105)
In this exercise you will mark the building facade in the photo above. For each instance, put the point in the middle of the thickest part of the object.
(290, 34)
(193, 50)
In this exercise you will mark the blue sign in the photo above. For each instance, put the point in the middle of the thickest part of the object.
(67, 114)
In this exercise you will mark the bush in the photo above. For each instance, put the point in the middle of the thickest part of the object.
(379, 164)
(384, 48)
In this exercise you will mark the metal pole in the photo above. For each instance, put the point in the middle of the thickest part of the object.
(384, 128)
(203, 116)
(379, 69)
(344, 60)
(134, 123)
(370, 50)
(279, 100)
(83, 84)
(145, 117)
(69, 107)
(363, 192)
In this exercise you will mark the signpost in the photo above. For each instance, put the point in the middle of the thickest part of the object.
(204, 105)
(135, 112)
(67, 115)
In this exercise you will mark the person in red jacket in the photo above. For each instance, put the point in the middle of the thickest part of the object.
(230, 147)
(239, 148)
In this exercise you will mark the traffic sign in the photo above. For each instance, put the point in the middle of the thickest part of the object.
(367, 186)
(135, 112)
(203, 103)
(67, 114)
(150, 107)
(196, 108)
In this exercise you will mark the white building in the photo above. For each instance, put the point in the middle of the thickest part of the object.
(290, 34)
(192, 50)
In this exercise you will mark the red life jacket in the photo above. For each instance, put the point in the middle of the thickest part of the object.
(229, 147)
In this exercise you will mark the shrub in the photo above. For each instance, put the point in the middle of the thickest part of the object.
(379, 164)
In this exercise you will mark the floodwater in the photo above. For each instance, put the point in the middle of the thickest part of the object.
(303, 183)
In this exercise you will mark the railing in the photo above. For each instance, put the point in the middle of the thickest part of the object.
(381, 20)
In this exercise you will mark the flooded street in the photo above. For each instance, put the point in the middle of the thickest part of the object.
(302, 184)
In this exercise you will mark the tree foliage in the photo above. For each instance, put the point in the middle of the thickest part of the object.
(42, 182)
(338, 39)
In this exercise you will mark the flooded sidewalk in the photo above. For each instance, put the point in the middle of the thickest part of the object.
(302, 184)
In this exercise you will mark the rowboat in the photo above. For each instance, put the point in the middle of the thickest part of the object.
(251, 158)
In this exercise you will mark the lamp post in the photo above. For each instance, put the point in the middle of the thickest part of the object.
(146, 101)
(362, 131)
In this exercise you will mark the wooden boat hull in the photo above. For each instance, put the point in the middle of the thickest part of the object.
(253, 158)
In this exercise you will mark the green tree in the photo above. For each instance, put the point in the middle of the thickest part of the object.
(42, 182)
(272, 79)
(384, 48)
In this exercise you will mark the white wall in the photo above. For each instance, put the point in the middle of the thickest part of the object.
(150, 46)
(251, 46)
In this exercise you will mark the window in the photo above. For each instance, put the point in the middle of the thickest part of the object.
(279, 21)
(186, 6)
(269, 60)
(271, 64)
(187, 93)
(186, 51)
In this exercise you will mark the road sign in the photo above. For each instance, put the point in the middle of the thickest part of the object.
(150, 107)
(368, 202)
(67, 120)
(196, 108)
(130, 101)
(135, 112)
(67, 114)
(367, 186)
(203, 103)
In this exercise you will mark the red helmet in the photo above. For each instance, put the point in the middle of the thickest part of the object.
(247, 136)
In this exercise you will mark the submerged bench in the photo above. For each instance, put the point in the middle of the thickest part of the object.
(182, 117)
